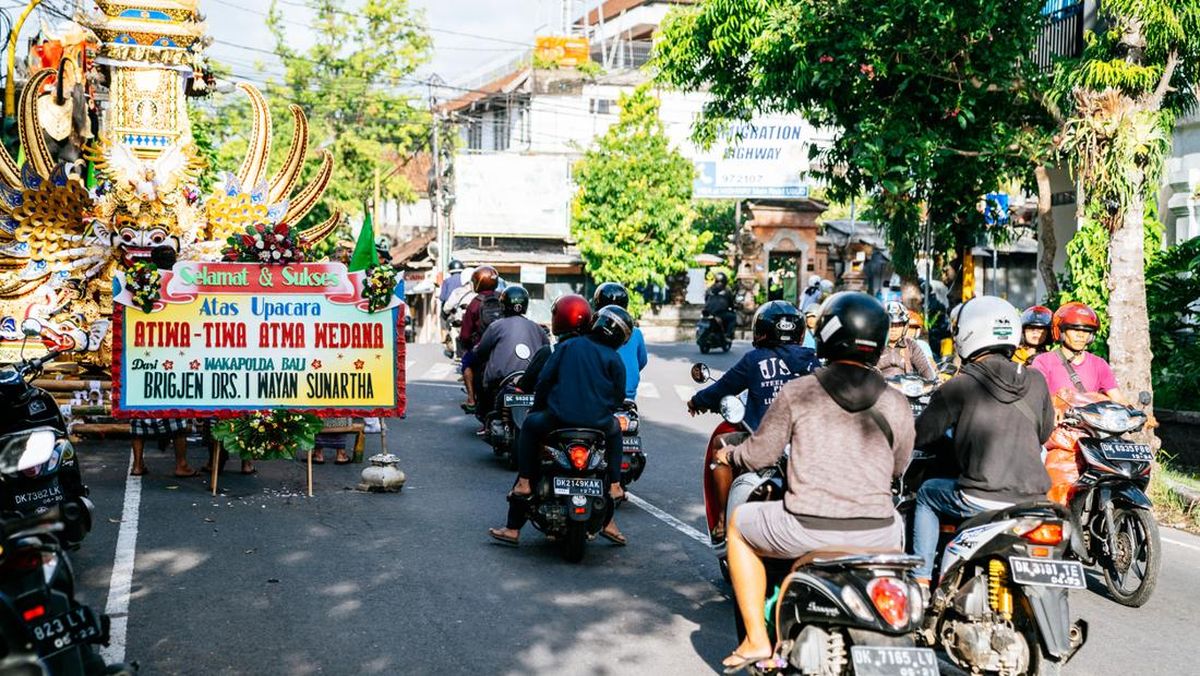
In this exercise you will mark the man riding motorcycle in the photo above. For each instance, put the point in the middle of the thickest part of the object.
(1074, 327)
(484, 281)
(581, 385)
(570, 317)
(1035, 332)
(719, 302)
(777, 358)
(839, 473)
(999, 413)
(633, 353)
(506, 346)
(902, 354)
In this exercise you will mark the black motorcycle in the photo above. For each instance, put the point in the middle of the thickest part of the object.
(32, 420)
(503, 423)
(633, 457)
(710, 334)
(916, 389)
(570, 502)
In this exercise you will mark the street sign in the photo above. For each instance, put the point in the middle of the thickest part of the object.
(533, 274)
(766, 157)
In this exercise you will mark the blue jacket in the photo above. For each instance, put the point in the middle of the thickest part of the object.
(583, 383)
(761, 372)
(633, 355)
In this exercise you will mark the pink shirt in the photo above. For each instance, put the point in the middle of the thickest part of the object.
(1096, 374)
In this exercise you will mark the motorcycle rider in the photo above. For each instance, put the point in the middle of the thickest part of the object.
(484, 281)
(633, 352)
(812, 294)
(453, 280)
(1000, 413)
(570, 317)
(506, 346)
(581, 385)
(719, 302)
(902, 354)
(840, 473)
(777, 357)
(810, 327)
(1035, 330)
(456, 305)
(1074, 327)
(916, 326)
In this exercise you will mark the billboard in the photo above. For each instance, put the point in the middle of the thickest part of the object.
(566, 52)
(510, 195)
(766, 157)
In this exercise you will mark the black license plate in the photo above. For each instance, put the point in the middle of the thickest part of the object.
(592, 488)
(1048, 573)
(76, 626)
(1120, 450)
(46, 494)
(631, 443)
(887, 661)
(511, 400)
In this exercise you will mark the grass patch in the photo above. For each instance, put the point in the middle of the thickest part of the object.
(1169, 508)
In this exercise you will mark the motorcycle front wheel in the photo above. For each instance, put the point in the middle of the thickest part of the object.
(1134, 558)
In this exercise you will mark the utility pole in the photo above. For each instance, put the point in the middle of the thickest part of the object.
(435, 189)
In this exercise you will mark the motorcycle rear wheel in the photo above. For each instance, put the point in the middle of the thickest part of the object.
(574, 542)
(1135, 547)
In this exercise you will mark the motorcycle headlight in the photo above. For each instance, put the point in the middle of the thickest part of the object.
(912, 388)
(39, 448)
(1112, 419)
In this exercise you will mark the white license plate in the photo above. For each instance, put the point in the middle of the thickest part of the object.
(593, 488)
(511, 400)
(1117, 450)
(888, 661)
(631, 443)
(1048, 573)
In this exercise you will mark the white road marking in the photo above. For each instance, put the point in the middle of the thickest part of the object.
(427, 384)
(439, 371)
(647, 390)
(1181, 543)
(121, 582)
(669, 520)
(685, 392)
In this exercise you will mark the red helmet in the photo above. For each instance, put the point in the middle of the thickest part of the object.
(485, 278)
(1037, 317)
(570, 314)
(1074, 315)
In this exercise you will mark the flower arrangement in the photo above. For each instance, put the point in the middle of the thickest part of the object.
(378, 286)
(268, 435)
(262, 243)
(143, 281)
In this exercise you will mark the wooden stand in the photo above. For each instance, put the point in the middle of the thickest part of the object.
(357, 429)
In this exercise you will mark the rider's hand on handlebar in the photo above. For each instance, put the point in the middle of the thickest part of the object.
(693, 410)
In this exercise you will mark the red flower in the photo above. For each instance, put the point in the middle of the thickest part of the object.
(195, 365)
(358, 364)
(825, 59)
(168, 365)
(316, 364)
(281, 229)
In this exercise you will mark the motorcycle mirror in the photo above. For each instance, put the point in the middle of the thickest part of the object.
(38, 449)
(1144, 398)
(700, 373)
(32, 328)
(733, 410)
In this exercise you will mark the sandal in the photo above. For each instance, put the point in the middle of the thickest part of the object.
(340, 461)
(134, 472)
(189, 475)
(468, 408)
(745, 663)
(318, 459)
(618, 538)
(500, 537)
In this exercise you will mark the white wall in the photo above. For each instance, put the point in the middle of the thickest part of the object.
(512, 195)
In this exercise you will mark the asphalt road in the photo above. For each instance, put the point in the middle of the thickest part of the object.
(264, 580)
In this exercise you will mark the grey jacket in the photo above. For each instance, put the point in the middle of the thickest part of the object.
(508, 345)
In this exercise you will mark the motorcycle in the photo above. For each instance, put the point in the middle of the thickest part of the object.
(836, 610)
(570, 502)
(633, 457)
(1107, 475)
(710, 334)
(503, 423)
(915, 388)
(751, 489)
(33, 420)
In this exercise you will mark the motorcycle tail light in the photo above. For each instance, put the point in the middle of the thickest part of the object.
(22, 560)
(890, 599)
(1045, 534)
(579, 456)
(33, 613)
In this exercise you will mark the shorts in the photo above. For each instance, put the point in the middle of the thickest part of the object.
(775, 533)
(468, 359)
(156, 428)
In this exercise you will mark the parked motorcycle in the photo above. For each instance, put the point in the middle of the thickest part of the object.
(837, 610)
(710, 334)
(32, 420)
(633, 457)
(504, 421)
(1108, 493)
(570, 501)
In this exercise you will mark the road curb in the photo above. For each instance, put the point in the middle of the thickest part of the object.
(1189, 496)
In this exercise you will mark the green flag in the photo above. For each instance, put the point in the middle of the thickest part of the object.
(90, 181)
(365, 254)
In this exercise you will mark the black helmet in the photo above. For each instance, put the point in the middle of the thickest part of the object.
(514, 300)
(612, 325)
(455, 265)
(610, 293)
(720, 279)
(852, 326)
(777, 323)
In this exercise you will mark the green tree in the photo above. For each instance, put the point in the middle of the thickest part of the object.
(633, 213)
(929, 101)
(718, 218)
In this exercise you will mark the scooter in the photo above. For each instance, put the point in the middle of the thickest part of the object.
(710, 334)
(916, 389)
(1108, 497)
(503, 423)
(633, 457)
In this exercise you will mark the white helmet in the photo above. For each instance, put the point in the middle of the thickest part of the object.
(826, 286)
(814, 280)
(985, 323)
(897, 313)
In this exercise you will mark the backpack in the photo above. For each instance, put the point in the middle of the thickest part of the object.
(489, 311)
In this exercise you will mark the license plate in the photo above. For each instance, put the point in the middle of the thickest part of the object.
(1048, 573)
(1119, 450)
(887, 661)
(511, 400)
(47, 494)
(631, 443)
(593, 488)
(79, 625)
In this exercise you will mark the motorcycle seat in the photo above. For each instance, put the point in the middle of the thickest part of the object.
(839, 555)
(1042, 508)
(577, 435)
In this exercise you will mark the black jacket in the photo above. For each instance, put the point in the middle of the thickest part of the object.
(583, 383)
(997, 443)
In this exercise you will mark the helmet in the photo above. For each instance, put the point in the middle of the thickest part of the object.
(610, 293)
(1037, 316)
(896, 312)
(612, 325)
(514, 300)
(777, 323)
(720, 279)
(826, 286)
(915, 319)
(814, 280)
(852, 326)
(485, 278)
(985, 324)
(570, 315)
(1074, 315)
(455, 265)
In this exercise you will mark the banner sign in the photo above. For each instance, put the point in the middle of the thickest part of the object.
(766, 157)
(225, 338)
